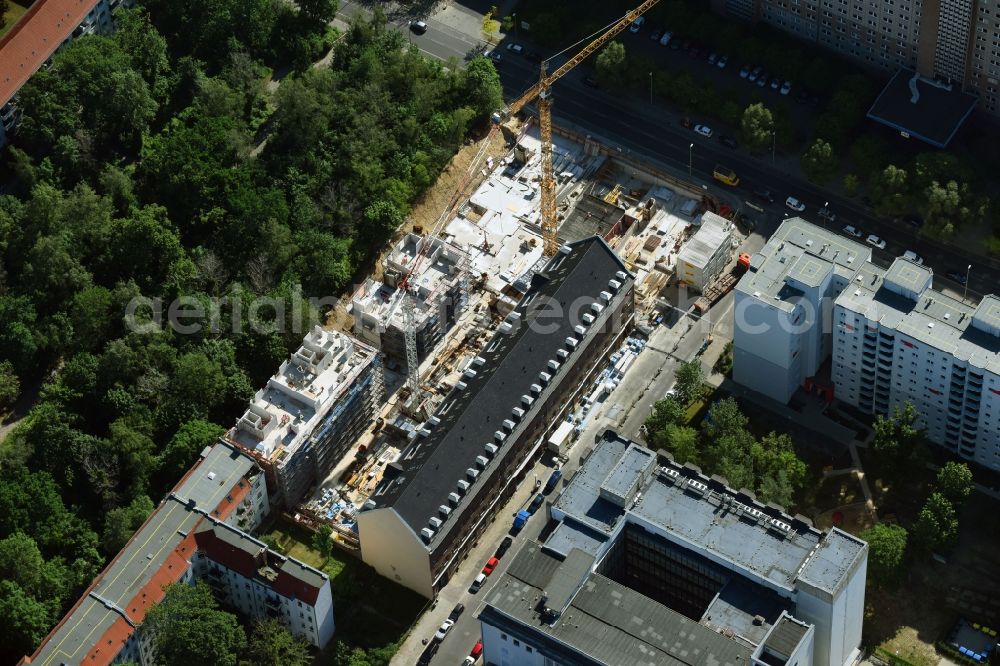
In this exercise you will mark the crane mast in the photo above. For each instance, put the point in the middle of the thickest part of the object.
(542, 91)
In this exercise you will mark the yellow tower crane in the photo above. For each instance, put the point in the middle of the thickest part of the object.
(543, 93)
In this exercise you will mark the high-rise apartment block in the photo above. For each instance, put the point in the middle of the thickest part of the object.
(812, 295)
(299, 426)
(954, 41)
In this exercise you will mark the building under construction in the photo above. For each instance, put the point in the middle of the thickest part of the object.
(437, 273)
(299, 426)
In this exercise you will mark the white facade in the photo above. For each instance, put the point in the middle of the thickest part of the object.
(782, 306)
(707, 253)
(895, 345)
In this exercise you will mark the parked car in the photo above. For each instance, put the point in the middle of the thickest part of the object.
(478, 583)
(443, 630)
(704, 130)
(853, 231)
(474, 655)
(827, 214)
(504, 546)
(419, 27)
(914, 257)
(665, 38)
(492, 55)
(637, 25)
(875, 241)
(456, 612)
(590, 82)
(754, 73)
(914, 220)
(795, 204)
(775, 83)
(786, 88)
(745, 71)
(428, 653)
(729, 141)
(761, 79)
(957, 276)
(655, 35)
(536, 503)
(712, 57)
(764, 195)
(515, 48)
(722, 61)
(491, 564)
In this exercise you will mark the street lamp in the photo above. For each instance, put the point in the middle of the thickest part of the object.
(650, 87)
(826, 213)
(968, 269)
(691, 160)
(773, 134)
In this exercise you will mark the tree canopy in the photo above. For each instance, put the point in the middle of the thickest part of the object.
(758, 125)
(886, 553)
(954, 481)
(187, 627)
(936, 527)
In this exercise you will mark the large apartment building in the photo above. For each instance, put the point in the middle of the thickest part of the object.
(652, 562)
(783, 302)
(952, 40)
(897, 340)
(812, 295)
(443, 490)
(200, 531)
(46, 27)
(301, 424)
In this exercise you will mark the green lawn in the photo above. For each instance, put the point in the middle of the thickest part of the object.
(14, 12)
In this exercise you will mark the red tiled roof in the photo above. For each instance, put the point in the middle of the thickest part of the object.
(292, 587)
(227, 555)
(36, 36)
(107, 647)
(232, 500)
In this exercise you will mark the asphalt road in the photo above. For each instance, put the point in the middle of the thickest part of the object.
(653, 130)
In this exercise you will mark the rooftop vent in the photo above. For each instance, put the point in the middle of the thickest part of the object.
(580, 330)
(472, 473)
(517, 413)
(463, 486)
(482, 461)
(499, 436)
(427, 534)
(470, 373)
(597, 308)
(505, 327)
(605, 297)
(435, 522)
(508, 425)
(460, 385)
(565, 249)
(536, 389)
(454, 498)
(587, 318)
(444, 510)
(779, 526)
(478, 361)
(621, 275)
(562, 353)
(552, 365)
(491, 450)
(614, 285)
(543, 376)
(433, 421)
(571, 343)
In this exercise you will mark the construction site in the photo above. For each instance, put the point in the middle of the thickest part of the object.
(453, 285)
(443, 289)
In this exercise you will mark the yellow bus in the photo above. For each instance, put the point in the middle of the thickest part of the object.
(726, 175)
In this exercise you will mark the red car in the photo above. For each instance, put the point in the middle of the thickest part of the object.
(491, 564)
(477, 650)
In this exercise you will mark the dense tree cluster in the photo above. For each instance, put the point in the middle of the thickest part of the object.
(153, 166)
(767, 466)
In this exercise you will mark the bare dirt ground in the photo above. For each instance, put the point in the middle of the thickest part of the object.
(457, 181)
